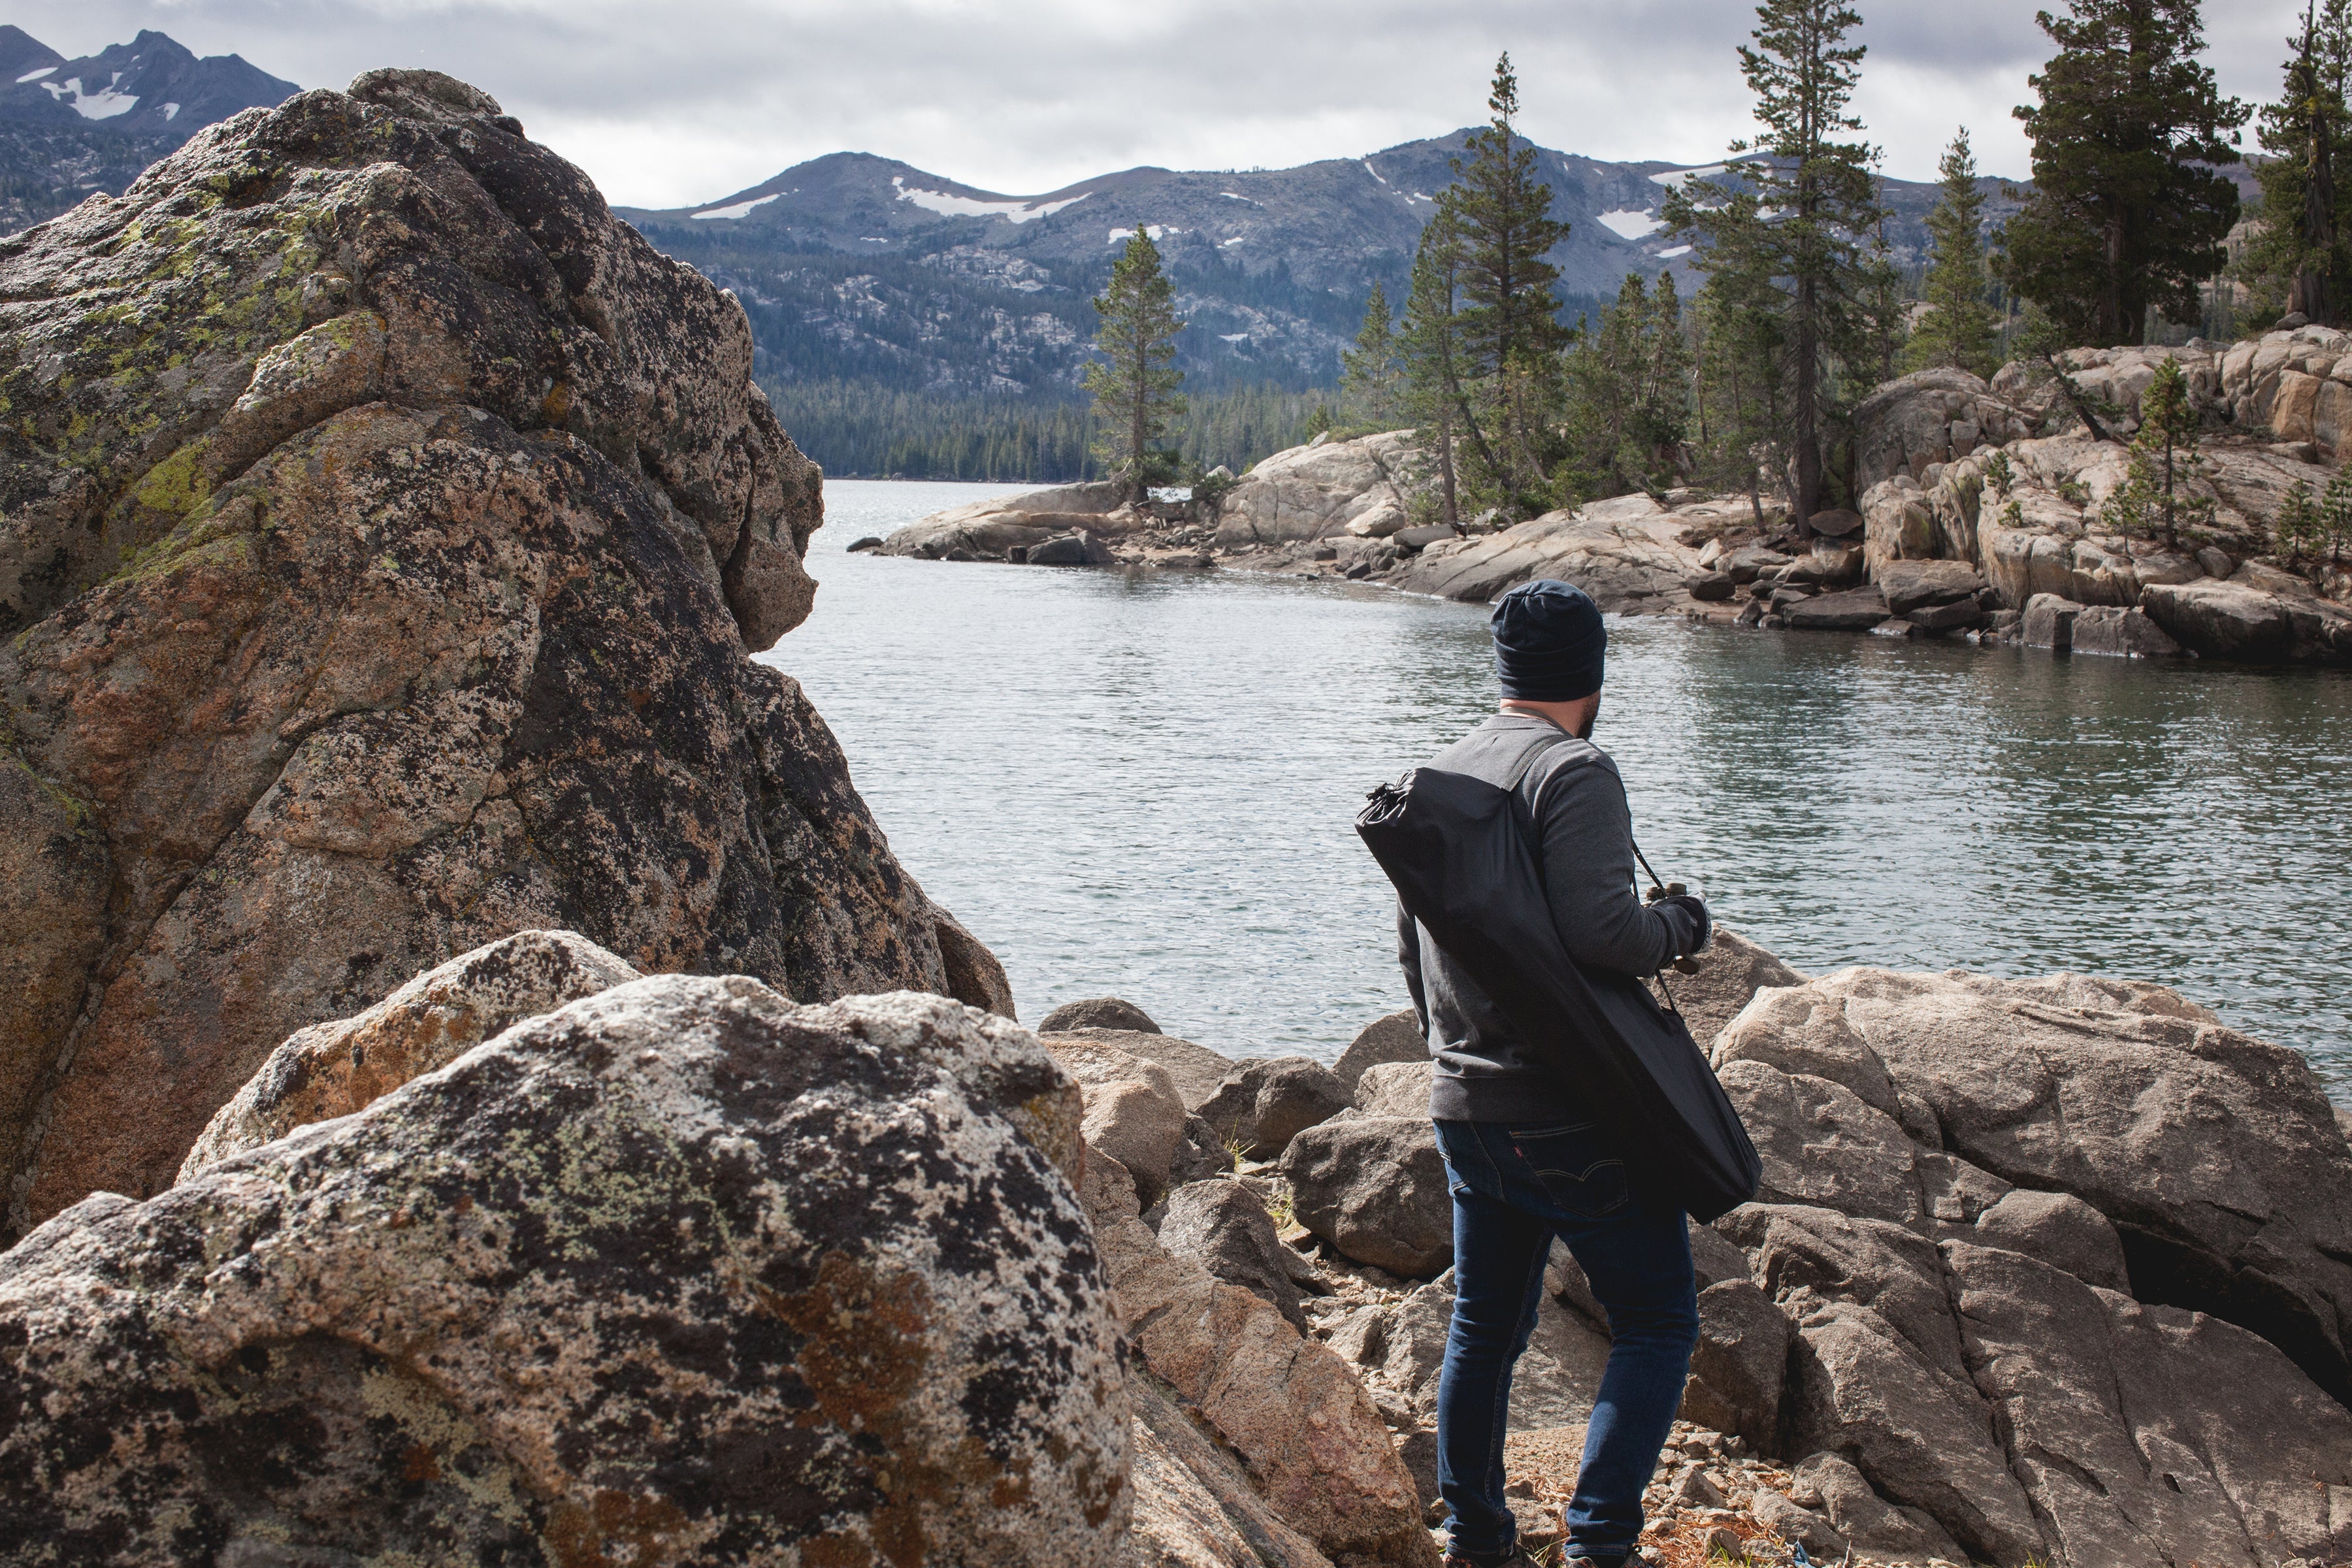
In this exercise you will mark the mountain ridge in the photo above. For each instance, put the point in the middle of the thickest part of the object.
(857, 266)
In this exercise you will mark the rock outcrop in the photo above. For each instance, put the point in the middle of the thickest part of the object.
(2064, 1262)
(385, 530)
(1627, 552)
(1360, 488)
(680, 1272)
(986, 530)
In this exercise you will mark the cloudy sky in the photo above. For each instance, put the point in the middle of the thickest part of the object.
(668, 102)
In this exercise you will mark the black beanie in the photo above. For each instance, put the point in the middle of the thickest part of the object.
(1549, 642)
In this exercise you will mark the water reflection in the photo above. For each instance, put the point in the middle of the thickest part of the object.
(1145, 785)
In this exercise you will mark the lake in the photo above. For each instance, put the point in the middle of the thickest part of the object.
(1145, 785)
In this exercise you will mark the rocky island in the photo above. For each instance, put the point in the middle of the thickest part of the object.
(476, 1085)
(1985, 514)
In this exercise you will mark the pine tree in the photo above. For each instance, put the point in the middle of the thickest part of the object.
(2336, 515)
(1628, 395)
(1820, 199)
(1740, 353)
(1958, 327)
(1134, 385)
(1371, 380)
(2163, 458)
(2297, 259)
(1428, 345)
(1508, 333)
(2299, 526)
(2126, 214)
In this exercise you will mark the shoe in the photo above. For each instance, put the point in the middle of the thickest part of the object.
(1518, 1558)
(1632, 1559)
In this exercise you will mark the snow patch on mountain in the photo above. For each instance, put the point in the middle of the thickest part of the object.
(103, 104)
(1676, 176)
(1014, 209)
(737, 209)
(1626, 224)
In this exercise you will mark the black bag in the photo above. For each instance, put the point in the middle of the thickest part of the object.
(1464, 869)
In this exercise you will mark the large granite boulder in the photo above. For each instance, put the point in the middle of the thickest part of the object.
(680, 1272)
(1269, 1100)
(1321, 490)
(1394, 1037)
(1098, 1013)
(1930, 417)
(1626, 551)
(986, 530)
(1374, 1188)
(2262, 622)
(2063, 1266)
(1133, 1112)
(1731, 972)
(384, 528)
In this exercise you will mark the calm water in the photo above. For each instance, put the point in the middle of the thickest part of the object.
(1146, 786)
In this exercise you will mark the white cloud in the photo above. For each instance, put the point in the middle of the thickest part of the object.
(688, 102)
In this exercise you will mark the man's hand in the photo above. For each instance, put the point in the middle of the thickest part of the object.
(1692, 923)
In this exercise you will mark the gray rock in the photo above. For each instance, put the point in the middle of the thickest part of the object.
(1868, 1522)
(1396, 1089)
(1957, 615)
(1079, 549)
(1098, 1013)
(1417, 538)
(400, 1334)
(1855, 610)
(2215, 1156)
(1919, 585)
(2241, 620)
(2050, 622)
(1811, 1530)
(1221, 1225)
(1401, 1349)
(335, 764)
(1739, 1364)
(2060, 1229)
(1261, 1107)
(861, 546)
(2121, 633)
(1394, 1038)
(1824, 1145)
(1750, 562)
(1375, 1189)
(2149, 1435)
(1199, 1157)
(1709, 585)
(1197, 1069)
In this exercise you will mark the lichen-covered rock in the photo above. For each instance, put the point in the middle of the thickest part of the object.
(334, 1070)
(383, 527)
(681, 1273)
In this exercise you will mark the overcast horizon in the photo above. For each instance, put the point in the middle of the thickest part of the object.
(709, 97)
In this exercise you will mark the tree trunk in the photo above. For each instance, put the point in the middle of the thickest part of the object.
(1805, 422)
(2308, 293)
(1453, 512)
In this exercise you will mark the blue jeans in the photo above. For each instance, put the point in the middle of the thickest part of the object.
(1514, 1189)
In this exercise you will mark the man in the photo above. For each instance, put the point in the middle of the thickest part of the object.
(1527, 1153)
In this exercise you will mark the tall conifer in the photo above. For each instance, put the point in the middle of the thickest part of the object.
(2127, 214)
(1428, 346)
(1371, 379)
(1815, 201)
(1958, 327)
(1134, 385)
(1508, 331)
(2300, 258)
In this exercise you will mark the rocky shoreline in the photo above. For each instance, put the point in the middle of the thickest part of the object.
(477, 1086)
(1972, 525)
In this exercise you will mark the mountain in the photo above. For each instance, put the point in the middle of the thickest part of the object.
(863, 268)
(71, 127)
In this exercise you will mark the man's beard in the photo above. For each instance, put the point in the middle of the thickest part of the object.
(1584, 730)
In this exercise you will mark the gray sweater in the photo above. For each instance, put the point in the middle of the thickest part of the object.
(1576, 799)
